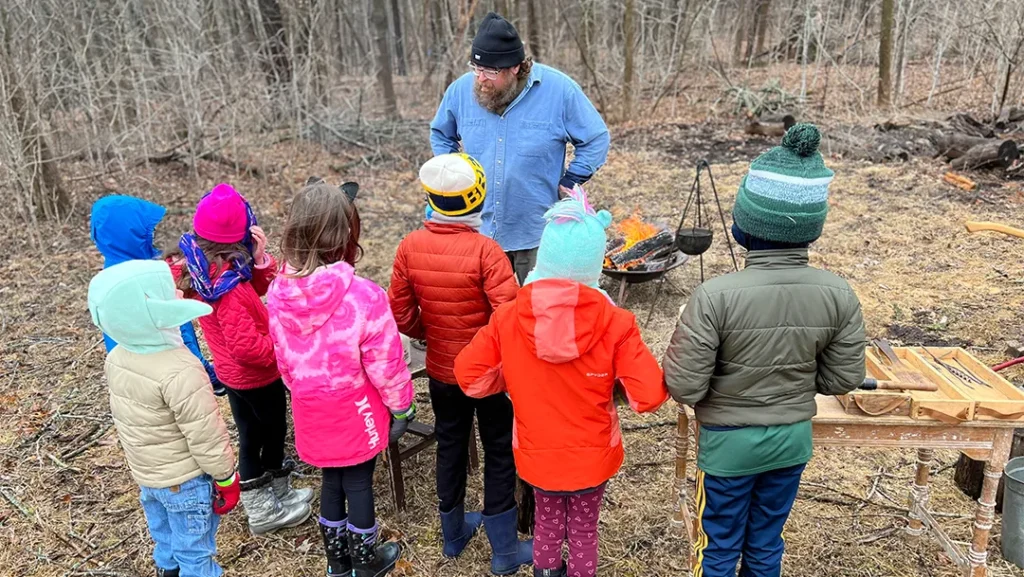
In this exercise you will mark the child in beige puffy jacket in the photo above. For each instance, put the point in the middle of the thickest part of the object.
(167, 420)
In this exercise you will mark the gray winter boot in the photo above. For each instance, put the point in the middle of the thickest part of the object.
(266, 513)
(281, 481)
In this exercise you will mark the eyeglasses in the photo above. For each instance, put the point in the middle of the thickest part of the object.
(488, 73)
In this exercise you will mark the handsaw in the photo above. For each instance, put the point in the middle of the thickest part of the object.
(903, 374)
(964, 376)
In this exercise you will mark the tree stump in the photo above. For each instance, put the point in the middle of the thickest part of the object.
(970, 474)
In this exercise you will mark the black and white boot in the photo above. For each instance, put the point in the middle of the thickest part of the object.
(336, 547)
(368, 558)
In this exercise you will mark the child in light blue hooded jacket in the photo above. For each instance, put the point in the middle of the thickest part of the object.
(168, 423)
(122, 228)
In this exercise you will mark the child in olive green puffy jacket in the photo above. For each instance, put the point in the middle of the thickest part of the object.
(751, 352)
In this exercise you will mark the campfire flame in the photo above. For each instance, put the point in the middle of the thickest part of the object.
(630, 232)
(634, 230)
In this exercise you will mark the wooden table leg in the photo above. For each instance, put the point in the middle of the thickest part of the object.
(682, 521)
(397, 482)
(919, 492)
(985, 515)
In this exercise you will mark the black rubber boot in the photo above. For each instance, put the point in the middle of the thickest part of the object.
(336, 548)
(167, 572)
(368, 558)
(560, 572)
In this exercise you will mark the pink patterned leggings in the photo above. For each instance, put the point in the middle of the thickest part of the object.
(561, 516)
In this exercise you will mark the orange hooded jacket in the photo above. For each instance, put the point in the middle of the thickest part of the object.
(558, 351)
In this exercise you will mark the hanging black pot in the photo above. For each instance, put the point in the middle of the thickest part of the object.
(694, 241)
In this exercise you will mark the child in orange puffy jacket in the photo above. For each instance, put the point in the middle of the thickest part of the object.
(559, 350)
(447, 280)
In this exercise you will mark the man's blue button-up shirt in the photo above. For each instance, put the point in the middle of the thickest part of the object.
(523, 151)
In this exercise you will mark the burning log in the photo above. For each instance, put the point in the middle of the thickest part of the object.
(640, 250)
(662, 253)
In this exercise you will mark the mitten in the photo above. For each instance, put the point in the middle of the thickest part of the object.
(226, 494)
(400, 422)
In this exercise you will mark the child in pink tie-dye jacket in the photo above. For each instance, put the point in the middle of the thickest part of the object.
(341, 356)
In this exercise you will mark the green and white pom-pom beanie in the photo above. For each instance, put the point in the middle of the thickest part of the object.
(784, 196)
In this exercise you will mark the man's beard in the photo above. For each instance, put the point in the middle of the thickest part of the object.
(496, 101)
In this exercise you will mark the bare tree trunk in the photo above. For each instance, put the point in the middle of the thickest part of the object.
(901, 53)
(379, 19)
(754, 24)
(533, 26)
(628, 48)
(396, 26)
(762, 25)
(885, 54)
(741, 27)
(939, 50)
(46, 195)
(277, 65)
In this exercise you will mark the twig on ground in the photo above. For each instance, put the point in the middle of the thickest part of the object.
(338, 133)
(94, 554)
(71, 454)
(644, 426)
(876, 536)
(62, 464)
(14, 501)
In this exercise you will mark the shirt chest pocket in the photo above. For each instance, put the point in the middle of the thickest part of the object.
(536, 138)
(473, 135)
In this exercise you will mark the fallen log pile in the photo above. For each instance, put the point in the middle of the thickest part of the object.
(961, 140)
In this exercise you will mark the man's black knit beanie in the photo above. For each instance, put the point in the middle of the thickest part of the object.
(497, 44)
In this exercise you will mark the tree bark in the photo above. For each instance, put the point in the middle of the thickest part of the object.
(754, 24)
(885, 54)
(277, 66)
(46, 194)
(628, 47)
(901, 52)
(762, 25)
(379, 20)
(533, 26)
(396, 26)
(740, 34)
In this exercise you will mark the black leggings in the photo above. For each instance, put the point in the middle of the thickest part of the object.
(354, 484)
(261, 418)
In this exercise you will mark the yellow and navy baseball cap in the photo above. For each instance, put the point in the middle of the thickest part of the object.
(455, 184)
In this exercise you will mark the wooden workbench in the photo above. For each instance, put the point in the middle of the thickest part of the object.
(987, 441)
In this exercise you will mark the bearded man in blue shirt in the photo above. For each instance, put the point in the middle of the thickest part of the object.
(516, 117)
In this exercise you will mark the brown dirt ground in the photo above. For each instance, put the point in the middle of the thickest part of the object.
(894, 231)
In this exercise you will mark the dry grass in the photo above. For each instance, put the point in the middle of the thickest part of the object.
(896, 232)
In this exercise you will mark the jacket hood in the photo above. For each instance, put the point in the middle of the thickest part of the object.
(122, 228)
(304, 304)
(135, 302)
(562, 319)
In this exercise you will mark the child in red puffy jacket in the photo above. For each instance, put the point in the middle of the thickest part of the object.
(446, 281)
(225, 264)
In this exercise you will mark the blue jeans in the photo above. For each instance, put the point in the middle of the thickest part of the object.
(183, 526)
(743, 517)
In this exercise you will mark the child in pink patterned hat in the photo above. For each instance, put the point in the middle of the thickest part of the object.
(226, 265)
(341, 356)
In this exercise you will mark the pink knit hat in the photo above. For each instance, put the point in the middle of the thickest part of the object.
(221, 215)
